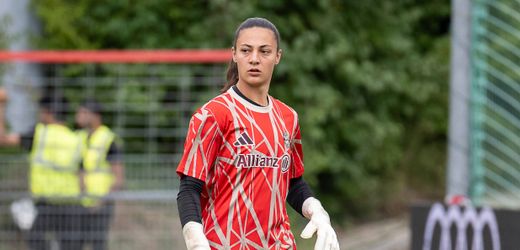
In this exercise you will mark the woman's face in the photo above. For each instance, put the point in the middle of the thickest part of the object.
(256, 54)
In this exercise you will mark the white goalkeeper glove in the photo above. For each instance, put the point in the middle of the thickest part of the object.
(320, 223)
(194, 237)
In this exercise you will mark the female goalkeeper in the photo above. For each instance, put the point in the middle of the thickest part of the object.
(243, 159)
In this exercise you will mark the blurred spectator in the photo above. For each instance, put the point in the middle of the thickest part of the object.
(53, 176)
(103, 173)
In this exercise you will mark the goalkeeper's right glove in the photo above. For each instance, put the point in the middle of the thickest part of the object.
(194, 237)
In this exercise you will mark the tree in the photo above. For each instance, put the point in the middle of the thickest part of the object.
(368, 78)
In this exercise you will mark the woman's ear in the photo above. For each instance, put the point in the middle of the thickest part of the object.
(233, 53)
(278, 56)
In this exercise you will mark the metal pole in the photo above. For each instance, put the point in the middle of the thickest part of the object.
(22, 80)
(458, 174)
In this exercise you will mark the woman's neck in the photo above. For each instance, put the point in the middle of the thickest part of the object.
(256, 94)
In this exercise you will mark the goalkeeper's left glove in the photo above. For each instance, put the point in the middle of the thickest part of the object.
(320, 223)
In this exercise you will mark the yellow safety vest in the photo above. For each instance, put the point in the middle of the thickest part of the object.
(98, 175)
(54, 159)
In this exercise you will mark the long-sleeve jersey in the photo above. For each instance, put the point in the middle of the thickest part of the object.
(246, 155)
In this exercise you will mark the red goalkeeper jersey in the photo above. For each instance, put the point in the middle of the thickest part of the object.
(246, 155)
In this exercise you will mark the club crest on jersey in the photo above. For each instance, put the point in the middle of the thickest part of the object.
(286, 140)
(262, 161)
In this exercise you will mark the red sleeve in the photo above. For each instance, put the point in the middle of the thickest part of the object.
(297, 154)
(202, 144)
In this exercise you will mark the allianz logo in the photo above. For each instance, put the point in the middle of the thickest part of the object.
(260, 161)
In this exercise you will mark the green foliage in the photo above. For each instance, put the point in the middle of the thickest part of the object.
(368, 78)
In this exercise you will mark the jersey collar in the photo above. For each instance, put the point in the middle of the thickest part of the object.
(248, 104)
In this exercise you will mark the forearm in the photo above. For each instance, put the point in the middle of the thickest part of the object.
(81, 178)
(299, 191)
(10, 139)
(119, 176)
(3, 103)
(6, 139)
(2, 118)
(188, 203)
(188, 200)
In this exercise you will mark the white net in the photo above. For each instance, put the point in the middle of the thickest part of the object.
(147, 105)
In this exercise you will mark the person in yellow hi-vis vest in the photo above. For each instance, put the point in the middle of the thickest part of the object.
(102, 172)
(54, 182)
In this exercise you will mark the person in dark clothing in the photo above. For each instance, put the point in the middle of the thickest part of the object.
(53, 175)
(102, 171)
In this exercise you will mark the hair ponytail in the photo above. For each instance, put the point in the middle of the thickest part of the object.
(231, 76)
(232, 71)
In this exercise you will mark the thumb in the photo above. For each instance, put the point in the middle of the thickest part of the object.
(308, 231)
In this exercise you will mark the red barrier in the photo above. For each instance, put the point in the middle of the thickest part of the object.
(118, 56)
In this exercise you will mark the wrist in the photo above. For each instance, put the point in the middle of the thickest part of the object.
(312, 207)
(194, 236)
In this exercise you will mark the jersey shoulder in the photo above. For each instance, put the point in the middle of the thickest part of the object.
(219, 105)
(289, 115)
(285, 109)
(217, 109)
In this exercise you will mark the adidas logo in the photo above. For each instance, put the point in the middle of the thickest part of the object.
(244, 140)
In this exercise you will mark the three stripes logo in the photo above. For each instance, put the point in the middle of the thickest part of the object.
(244, 140)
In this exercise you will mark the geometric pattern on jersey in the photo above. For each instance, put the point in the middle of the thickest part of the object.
(246, 155)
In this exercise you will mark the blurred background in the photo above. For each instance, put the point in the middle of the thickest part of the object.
(370, 81)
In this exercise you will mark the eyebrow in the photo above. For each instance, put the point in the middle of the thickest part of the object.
(261, 46)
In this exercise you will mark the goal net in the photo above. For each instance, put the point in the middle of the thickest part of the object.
(147, 98)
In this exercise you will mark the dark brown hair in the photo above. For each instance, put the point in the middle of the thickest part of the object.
(55, 103)
(232, 71)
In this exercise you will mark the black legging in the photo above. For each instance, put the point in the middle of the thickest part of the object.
(95, 224)
(56, 222)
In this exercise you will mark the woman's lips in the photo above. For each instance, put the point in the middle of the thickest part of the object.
(254, 72)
